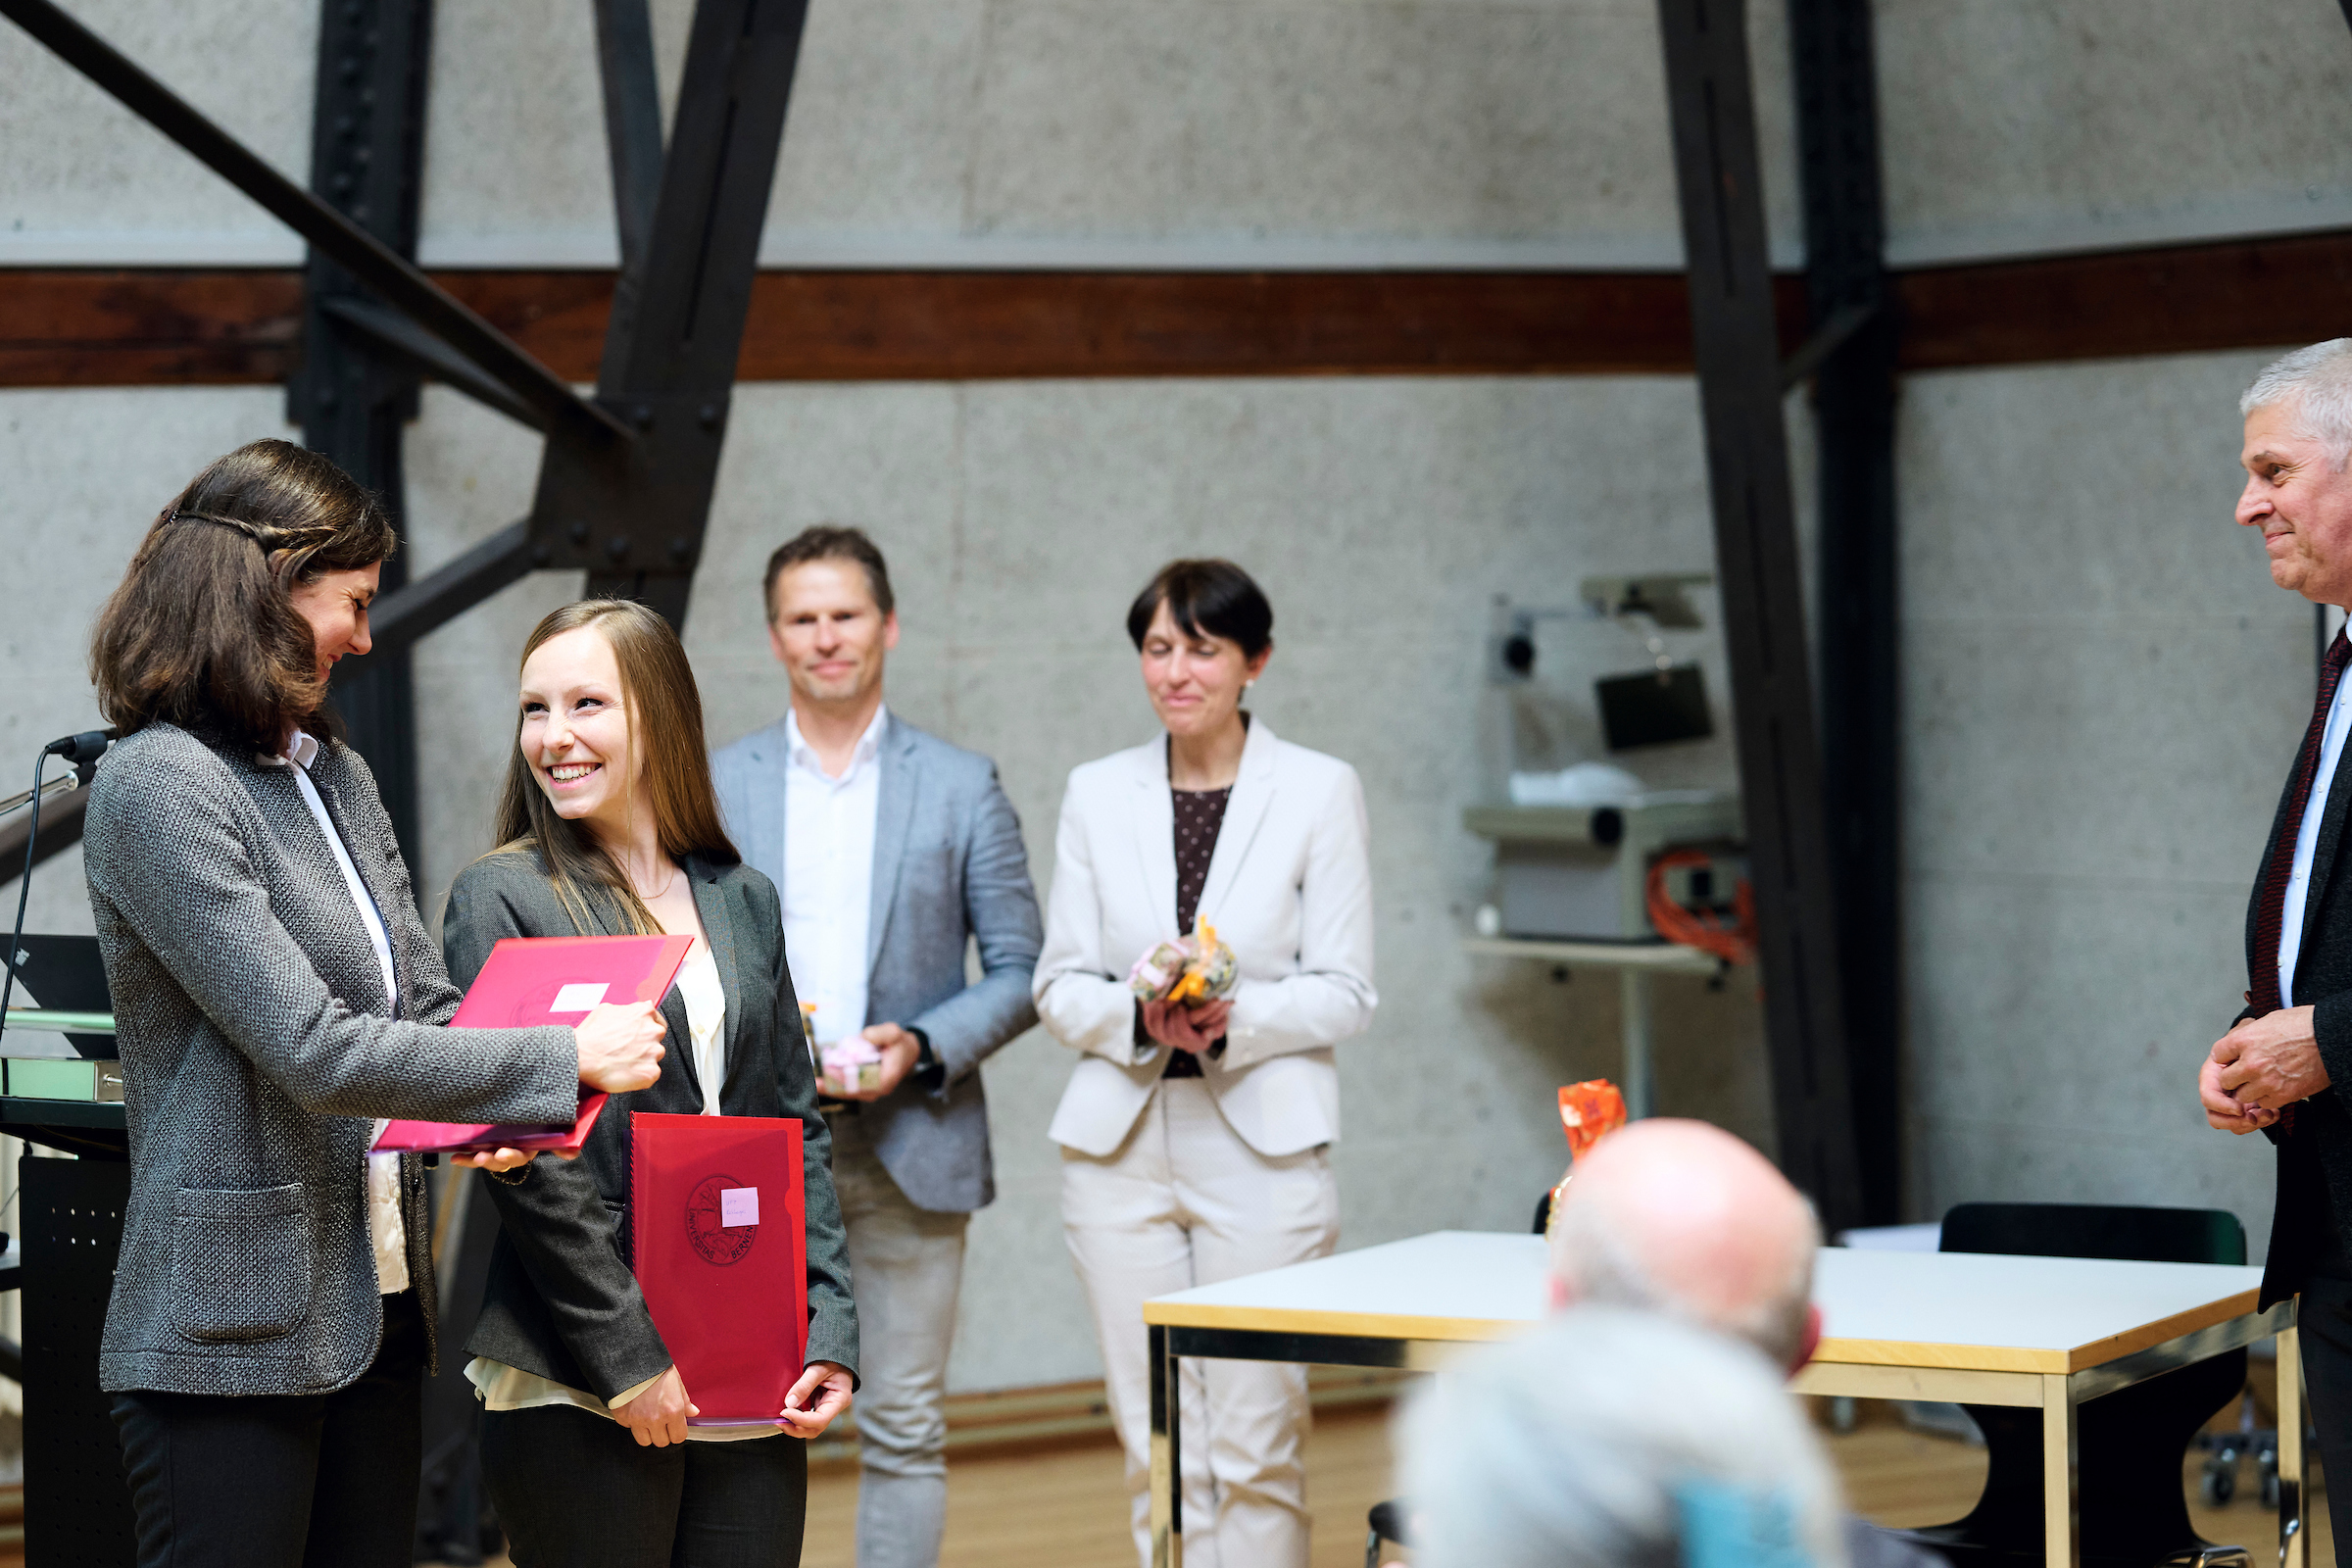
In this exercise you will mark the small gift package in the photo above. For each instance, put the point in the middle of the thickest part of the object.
(1587, 1111)
(1190, 969)
(853, 1064)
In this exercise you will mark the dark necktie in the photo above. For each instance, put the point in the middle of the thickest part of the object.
(2271, 914)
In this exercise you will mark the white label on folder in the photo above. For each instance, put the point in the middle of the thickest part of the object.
(738, 1205)
(578, 998)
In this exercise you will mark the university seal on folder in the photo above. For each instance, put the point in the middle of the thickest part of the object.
(717, 1226)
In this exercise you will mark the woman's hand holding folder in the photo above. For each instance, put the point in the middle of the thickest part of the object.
(821, 1393)
(620, 1046)
(657, 1419)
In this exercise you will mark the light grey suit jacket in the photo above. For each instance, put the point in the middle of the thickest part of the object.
(256, 1042)
(949, 866)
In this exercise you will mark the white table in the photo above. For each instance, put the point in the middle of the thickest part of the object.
(2043, 1332)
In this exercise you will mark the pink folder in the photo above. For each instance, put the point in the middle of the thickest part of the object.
(719, 1227)
(538, 980)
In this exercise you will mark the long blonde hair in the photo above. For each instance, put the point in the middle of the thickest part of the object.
(666, 730)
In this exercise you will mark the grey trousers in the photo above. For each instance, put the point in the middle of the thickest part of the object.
(906, 1265)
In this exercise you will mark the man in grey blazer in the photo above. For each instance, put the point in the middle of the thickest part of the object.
(892, 849)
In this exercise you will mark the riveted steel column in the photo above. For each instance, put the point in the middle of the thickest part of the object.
(1856, 563)
(352, 399)
(1710, 103)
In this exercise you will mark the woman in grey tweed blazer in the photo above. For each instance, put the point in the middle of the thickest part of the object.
(274, 990)
(609, 826)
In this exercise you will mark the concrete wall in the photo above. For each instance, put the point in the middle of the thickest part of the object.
(1274, 132)
(2103, 690)
(2104, 696)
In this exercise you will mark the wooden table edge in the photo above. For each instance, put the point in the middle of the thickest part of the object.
(1832, 1349)
(2028, 1358)
(2098, 1352)
(1348, 1325)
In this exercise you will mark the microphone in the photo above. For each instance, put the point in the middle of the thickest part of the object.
(81, 749)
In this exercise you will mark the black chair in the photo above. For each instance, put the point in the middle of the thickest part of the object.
(2134, 1508)
(1386, 1524)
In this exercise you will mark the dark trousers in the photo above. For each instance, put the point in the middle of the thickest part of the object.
(574, 1490)
(282, 1481)
(2323, 1314)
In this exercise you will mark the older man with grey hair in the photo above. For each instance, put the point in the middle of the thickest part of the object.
(2274, 1070)
(1615, 1439)
(1683, 1220)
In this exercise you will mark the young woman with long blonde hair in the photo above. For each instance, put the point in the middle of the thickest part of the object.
(609, 826)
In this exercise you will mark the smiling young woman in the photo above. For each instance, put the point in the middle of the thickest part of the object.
(609, 826)
(274, 988)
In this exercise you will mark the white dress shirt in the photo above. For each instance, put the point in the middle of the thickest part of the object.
(385, 1228)
(829, 876)
(2307, 839)
(2299, 880)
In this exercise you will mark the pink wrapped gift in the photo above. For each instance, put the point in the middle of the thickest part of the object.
(853, 1064)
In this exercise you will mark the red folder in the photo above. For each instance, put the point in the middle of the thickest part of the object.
(717, 1223)
(538, 980)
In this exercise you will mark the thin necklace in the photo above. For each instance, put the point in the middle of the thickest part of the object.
(665, 887)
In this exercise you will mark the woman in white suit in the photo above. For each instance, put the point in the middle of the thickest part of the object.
(1195, 1137)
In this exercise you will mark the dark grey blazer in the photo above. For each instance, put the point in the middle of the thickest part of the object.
(561, 1300)
(949, 867)
(256, 1042)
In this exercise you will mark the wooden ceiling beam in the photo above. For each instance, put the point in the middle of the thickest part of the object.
(228, 326)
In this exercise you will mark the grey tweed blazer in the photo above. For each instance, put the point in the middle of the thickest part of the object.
(257, 1043)
(561, 1299)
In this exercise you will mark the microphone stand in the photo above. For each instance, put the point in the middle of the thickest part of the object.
(55, 787)
(83, 752)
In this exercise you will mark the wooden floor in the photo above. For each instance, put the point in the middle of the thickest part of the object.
(1065, 1505)
(1065, 1508)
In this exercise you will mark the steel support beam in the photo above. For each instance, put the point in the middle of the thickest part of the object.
(1718, 181)
(369, 261)
(624, 53)
(633, 515)
(353, 399)
(1855, 572)
(626, 477)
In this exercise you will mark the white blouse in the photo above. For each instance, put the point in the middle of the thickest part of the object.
(706, 1020)
(387, 1232)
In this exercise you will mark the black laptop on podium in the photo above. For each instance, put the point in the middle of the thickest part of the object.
(65, 974)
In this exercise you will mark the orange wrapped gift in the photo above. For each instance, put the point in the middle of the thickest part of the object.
(1588, 1110)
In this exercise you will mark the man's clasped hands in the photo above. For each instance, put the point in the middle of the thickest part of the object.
(2259, 1068)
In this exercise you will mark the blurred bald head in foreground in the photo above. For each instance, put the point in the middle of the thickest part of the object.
(1683, 1219)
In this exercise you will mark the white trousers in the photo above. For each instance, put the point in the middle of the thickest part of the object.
(1184, 1202)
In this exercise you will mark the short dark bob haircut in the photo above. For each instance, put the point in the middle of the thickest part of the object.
(1215, 597)
(203, 632)
(829, 542)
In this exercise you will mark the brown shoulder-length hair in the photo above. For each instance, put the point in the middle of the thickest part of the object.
(665, 732)
(202, 632)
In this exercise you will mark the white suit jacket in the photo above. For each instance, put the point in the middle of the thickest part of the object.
(1289, 890)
